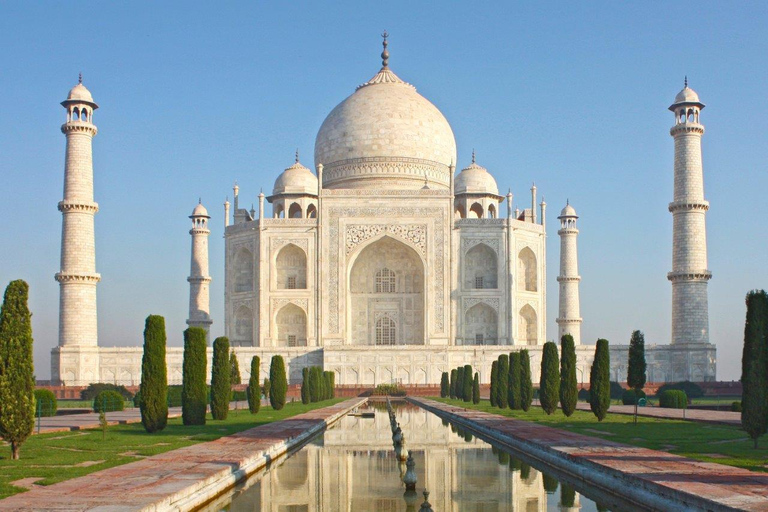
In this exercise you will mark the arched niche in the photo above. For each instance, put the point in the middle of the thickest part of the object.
(475, 211)
(243, 328)
(291, 265)
(527, 328)
(460, 213)
(480, 268)
(294, 211)
(527, 279)
(243, 271)
(291, 324)
(481, 325)
(399, 272)
(311, 211)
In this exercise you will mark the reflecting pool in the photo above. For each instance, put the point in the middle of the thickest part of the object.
(353, 467)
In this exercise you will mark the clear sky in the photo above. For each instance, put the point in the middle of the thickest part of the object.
(573, 96)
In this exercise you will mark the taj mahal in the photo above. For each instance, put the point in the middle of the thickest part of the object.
(382, 263)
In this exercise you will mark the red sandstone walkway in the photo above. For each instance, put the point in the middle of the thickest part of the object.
(611, 465)
(181, 479)
(702, 415)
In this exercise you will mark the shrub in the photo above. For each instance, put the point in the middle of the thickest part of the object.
(631, 396)
(279, 383)
(45, 403)
(476, 389)
(692, 390)
(108, 401)
(221, 373)
(526, 381)
(92, 390)
(238, 396)
(234, 379)
(389, 390)
(599, 383)
(254, 392)
(550, 378)
(153, 391)
(584, 395)
(754, 366)
(194, 392)
(513, 388)
(502, 391)
(305, 385)
(494, 382)
(568, 385)
(445, 387)
(736, 406)
(453, 384)
(673, 399)
(617, 390)
(467, 391)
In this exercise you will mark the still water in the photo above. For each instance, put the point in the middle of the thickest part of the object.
(353, 467)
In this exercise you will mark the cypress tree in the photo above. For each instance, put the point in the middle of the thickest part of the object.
(445, 387)
(754, 361)
(526, 380)
(221, 373)
(154, 377)
(17, 381)
(569, 392)
(314, 385)
(460, 382)
(476, 389)
(193, 389)
(305, 385)
(636, 365)
(549, 386)
(254, 391)
(235, 379)
(494, 382)
(502, 388)
(279, 383)
(333, 384)
(467, 392)
(327, 381)
(453, 384)
(514, 396)
(600, 380)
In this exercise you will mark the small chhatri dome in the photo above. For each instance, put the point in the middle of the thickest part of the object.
(80, 94)
(568, 211)
(475, 179)
(687, 96)
(200, 210)
(296, 179)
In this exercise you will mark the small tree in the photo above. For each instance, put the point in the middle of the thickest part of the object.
(494, 382)
(549, 385)
(305, 385)
(467, 392)
(314, 384)
(569, 391)
(476, 389)
(266, 388)
(17, 381)
(235, 379)
(599, 380)
(526, 381)
(754, 370)
(445, 387)
(154, 377)
(636, 366)
(453, 384)
(221, 373)
(502, 388)
(460, 382)
(193, 389)
(254, 391)
(279, 383)
(514, 389)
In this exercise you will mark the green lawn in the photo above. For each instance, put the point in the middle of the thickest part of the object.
(721, 444)
(79, 404)
(60, 456)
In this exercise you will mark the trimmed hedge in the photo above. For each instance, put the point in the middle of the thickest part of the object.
(736, 406)
(92, 390)
(254, 391)
(46, 403)
(617, 390)
(692, 390)
(445, 387)
(389, 390)
(194, 392)
(673, 399)
(629, 397)
(221, 377)
(279, 383)
(108, 401)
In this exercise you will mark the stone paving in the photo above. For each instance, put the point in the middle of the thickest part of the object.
(181, 479)
(659, 480)
(705, 416)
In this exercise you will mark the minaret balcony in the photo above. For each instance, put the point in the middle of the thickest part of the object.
(76, 277)
(690, 275)
(78, 206)
(199, 279)
(568, 279)
(79, 127)
(687, 128)
(676, 206)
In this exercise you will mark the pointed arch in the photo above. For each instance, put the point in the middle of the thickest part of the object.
(291, 265)
(243, 271)
(480, 268)
(243, 328)
(527, 278)
(491, 211)
(311, 211)
(294, 211)
(291, 322)
(481, 325)
(386, 331)
(527, 330)
(475, 211)
(460, 213)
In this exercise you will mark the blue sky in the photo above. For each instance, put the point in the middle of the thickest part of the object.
(572, 96)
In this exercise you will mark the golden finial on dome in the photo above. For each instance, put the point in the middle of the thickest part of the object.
(80, 78)
(385, 53)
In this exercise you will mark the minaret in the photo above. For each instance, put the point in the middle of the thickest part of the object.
(199, 280)
(77, 277)
(569, 318)
(689, 276)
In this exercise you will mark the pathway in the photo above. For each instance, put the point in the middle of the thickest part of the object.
(705, 416)
(655, 479)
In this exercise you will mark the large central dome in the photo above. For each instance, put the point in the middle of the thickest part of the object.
(385, 135)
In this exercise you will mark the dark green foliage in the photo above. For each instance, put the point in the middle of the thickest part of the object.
(46, 403)
(673, 399)
(599, 380)
(736, 406)
(692, 390)
(453, 384)
(445, 386)
(636, 368)
(92, 390)
(314, 384)
(460, 382)
(525, 471)
(154, 376)
(279, 383)
(617, 390)
(494, 382)
(567, 496)
(514, 395)
(550, 482)
(754, 371)
(108, 401)
(389, 390)
(17, 381)
(194, 392)
(549, 385)
(631, 396)
(266, 388)
(234, 378)
(466, 393)
(238, 396)
(476, 389)
(332, 377)
(305, 385)
(254, 391)
(584, 395)
(328, 385)
(502, 391)
(221, 373)
(568, 385)
(526, 380)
